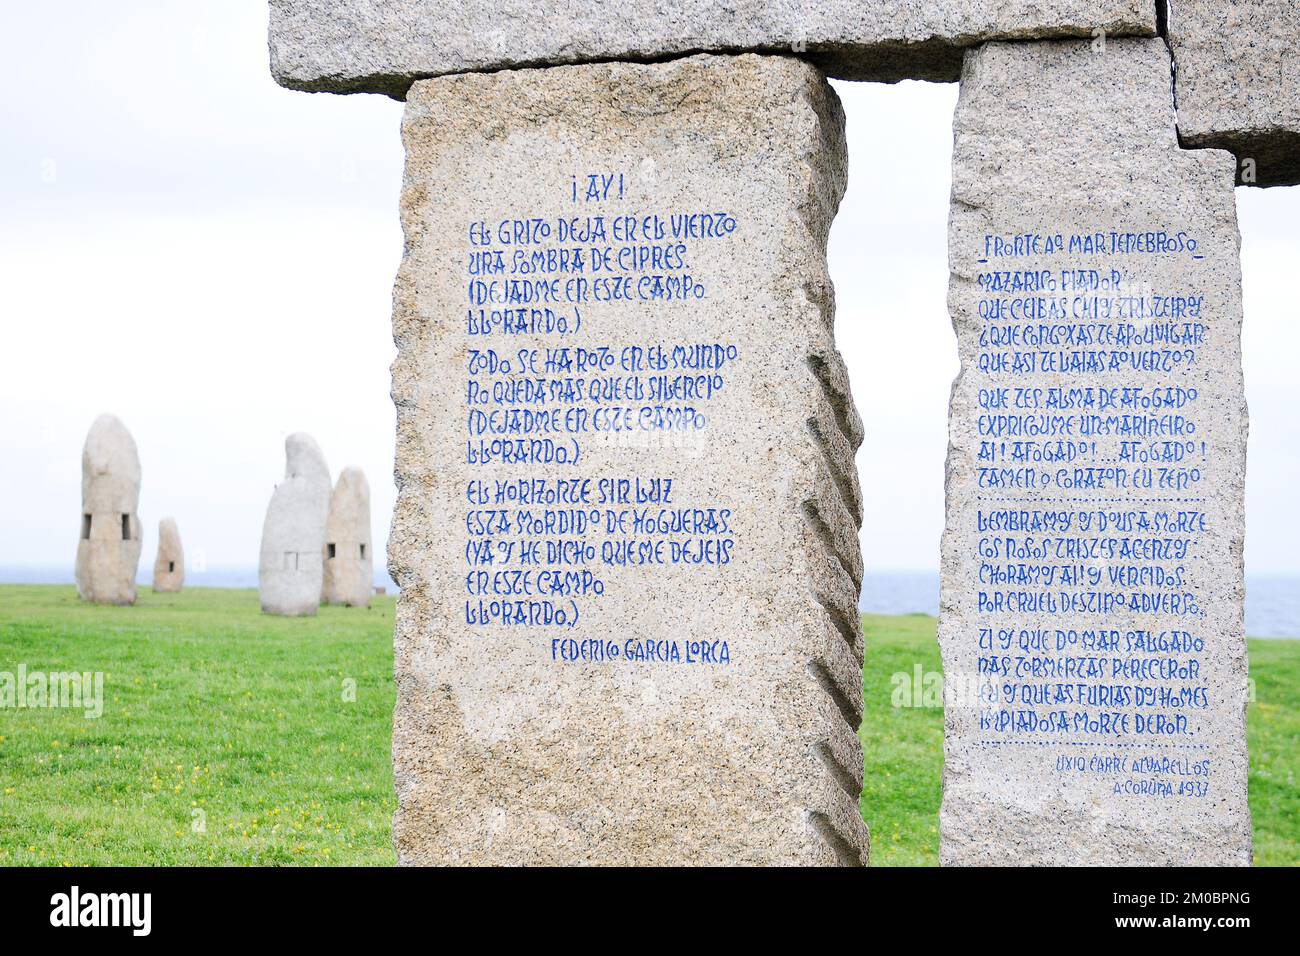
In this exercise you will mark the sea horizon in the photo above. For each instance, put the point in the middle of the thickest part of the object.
(1272, 598)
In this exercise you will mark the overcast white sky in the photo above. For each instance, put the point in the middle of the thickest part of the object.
(210, 257)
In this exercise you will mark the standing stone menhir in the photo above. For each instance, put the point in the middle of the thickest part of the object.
(169, 565)
(626, 525)
(289, 576)
(349, 574)
(108, 551)
(1091, 621)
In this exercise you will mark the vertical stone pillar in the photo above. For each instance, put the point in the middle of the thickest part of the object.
(290, 572)
(169, 564)
(108, 550)
(625, 530)
(1092, 627)
(349, 559)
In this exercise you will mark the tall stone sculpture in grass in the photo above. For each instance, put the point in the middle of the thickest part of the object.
(169, 566)
(349, 557)
(289, 574)
(109, 549)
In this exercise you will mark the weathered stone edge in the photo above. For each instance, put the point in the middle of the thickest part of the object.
(832, 508)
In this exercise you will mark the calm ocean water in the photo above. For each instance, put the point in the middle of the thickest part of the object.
(209, 578)
(1272, 601)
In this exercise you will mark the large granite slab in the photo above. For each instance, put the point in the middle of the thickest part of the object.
(626, 525)
(382, 46)
(1091, 614)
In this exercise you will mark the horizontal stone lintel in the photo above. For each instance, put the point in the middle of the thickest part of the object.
(383, 46)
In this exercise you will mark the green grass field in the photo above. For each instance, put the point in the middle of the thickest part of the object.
(225, 736)
(231, 737)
